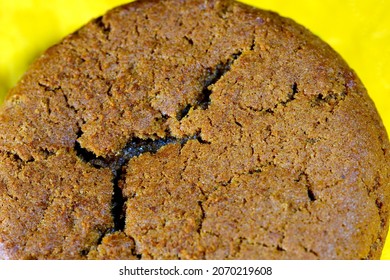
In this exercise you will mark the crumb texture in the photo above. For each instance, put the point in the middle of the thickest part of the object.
(191, 129)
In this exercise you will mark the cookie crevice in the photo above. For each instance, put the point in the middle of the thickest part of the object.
(134, 148)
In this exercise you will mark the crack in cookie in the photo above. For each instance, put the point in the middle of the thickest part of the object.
(134, 148)
(220, 132)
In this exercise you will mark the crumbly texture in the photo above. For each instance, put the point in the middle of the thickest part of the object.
(192, 130)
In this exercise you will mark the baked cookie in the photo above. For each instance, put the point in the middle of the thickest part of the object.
(192, 129)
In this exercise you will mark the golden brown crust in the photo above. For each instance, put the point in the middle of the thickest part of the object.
(52, 208)
(219, 132)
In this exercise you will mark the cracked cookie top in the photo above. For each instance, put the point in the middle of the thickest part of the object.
(192, 129)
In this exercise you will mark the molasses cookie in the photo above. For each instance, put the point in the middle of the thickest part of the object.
(192, 129)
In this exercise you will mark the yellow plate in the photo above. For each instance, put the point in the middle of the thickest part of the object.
(358, 29)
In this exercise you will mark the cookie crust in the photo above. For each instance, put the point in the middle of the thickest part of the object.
(192, 130)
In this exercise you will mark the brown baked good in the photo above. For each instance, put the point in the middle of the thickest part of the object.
(192, 130)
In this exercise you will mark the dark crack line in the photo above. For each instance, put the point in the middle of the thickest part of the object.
(291, 95)
(202, 217)
(212, 77)
(116, 164)
(310, 192)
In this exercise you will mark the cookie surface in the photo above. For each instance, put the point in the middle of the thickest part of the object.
(192, 130)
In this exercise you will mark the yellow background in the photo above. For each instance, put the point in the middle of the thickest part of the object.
(358, 29)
